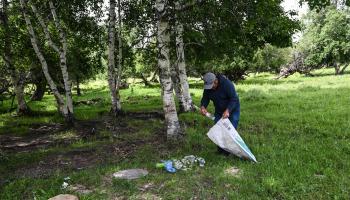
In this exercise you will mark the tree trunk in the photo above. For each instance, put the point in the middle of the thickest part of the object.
(63, 63)
(22, 107)
(17, 79)
(163, 38)
(154, 78)
(342, 71)
(180, 65)
(337, 68)
(145, 81)
(120, 48)
(39, 92)
(177, 87)
(59, 99)
(78, 87)
(116, 107)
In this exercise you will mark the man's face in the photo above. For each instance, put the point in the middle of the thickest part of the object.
(216, 84)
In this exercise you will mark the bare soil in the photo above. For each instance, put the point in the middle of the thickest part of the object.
(44, 136)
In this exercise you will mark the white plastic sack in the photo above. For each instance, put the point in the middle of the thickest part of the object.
(225, 136)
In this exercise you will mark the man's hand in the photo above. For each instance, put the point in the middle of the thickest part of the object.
(226, 114)
(203, 111)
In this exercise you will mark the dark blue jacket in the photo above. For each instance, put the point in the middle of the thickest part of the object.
(224, 97)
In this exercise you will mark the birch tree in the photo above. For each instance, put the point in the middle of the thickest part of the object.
(63, 108)
(185, 98)
(63, 60)
(17, 78)
(163, 39)
(120, 47)
(176, 85)
(112, 76)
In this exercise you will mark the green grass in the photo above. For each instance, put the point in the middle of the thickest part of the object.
(298, 128)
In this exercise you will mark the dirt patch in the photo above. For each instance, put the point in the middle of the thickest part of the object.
(146, 187)
(112, 131)
(147, 196)
(82, 159)
(145, 115)
(36, 129)
(233, 171)
(72, 160)
(48, 134)
(37, 137)
(79, 189)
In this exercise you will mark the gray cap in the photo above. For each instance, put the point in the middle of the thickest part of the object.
(209, 79)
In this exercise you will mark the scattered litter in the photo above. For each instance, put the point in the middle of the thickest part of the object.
(65, 182)
(167, 165)
(188, 161)
(64, 185)
(130, 174)
(185, 163)
(210, 116)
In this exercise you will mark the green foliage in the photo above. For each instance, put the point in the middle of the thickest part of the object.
(230, 32)
(326, 38)
(220, 36)
(271, 58)
(320, 4)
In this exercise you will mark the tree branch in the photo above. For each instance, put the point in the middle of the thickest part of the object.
(45, 29)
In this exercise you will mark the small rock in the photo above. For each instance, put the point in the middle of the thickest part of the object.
(64, 197)
(130, 174)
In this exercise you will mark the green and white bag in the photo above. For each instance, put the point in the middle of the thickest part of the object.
(225, 136)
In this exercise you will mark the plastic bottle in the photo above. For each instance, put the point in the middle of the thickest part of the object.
(210, 116)
(167, 165)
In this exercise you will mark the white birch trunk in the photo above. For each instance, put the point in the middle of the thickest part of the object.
(181, 66)
(337, 68)
(111, 60)
(16, 78)
(120, 45)
(177, 87)
(120, 54)
(60, 101)
(63, 62)
(163, 39)
(45, 29)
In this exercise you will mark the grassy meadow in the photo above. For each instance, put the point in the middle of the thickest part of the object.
(298, 128)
